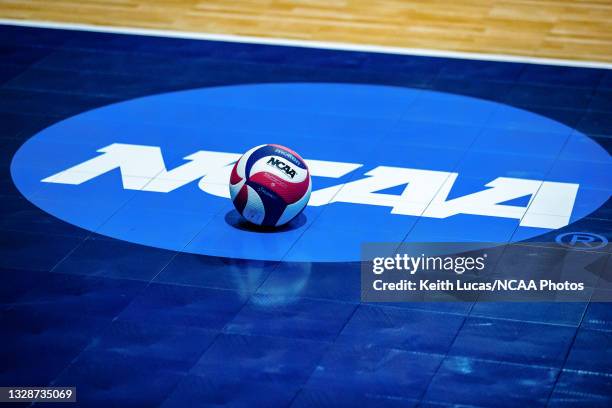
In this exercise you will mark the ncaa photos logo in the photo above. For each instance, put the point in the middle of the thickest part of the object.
(388, 164)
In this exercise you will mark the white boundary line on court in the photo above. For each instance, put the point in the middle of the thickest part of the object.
(307, 44)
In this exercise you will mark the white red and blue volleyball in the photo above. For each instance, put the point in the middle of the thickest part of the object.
(270, 185)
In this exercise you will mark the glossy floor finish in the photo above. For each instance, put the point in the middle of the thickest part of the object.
(130, 325)
(569, 29)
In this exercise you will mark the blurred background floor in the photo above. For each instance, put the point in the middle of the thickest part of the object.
(569, 29)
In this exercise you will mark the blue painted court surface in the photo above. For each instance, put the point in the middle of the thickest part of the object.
(144, 297)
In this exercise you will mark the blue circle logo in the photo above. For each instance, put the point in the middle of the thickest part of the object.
(388, 165)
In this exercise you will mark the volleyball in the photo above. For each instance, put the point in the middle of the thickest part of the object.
(270, 185)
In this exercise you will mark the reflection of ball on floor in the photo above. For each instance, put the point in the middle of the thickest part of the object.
(270, 185)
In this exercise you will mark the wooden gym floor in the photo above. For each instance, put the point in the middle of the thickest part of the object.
(567, 29)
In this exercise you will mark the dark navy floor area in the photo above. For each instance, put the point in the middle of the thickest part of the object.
(130, 325)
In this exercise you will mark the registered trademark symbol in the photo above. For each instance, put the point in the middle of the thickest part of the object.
(581, 240)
